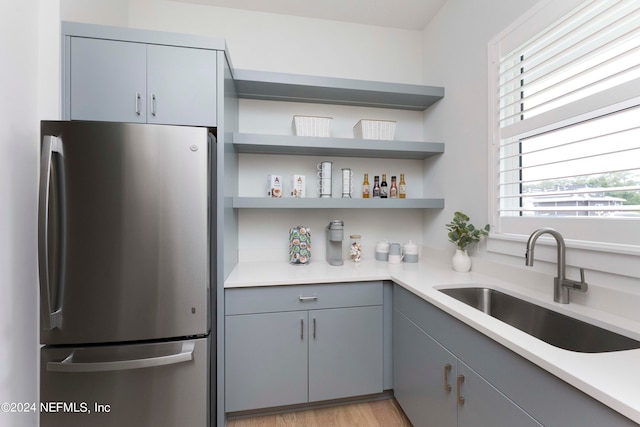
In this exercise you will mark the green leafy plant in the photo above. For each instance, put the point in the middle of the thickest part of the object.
(462, 233)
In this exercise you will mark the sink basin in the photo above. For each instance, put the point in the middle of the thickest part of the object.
(547, 325)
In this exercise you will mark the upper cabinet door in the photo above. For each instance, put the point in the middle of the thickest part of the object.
(181, 86)
(108, 80)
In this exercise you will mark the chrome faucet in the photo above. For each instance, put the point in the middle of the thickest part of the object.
(561, 285)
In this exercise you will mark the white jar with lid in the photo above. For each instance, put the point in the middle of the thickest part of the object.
(382, 251)
(410, 252)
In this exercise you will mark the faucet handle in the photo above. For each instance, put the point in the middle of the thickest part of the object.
(582, 286)
(575, 285)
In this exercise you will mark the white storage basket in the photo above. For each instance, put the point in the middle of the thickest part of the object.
(312, 126)
(375, 129)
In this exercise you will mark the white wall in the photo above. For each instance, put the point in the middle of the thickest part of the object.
(271, 42)
(19, 135)
(105, 12)
(455, 56)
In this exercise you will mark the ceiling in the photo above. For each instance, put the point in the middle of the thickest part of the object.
(405, 14)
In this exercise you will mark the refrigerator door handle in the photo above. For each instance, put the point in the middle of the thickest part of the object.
(51, 312)
(68, 365)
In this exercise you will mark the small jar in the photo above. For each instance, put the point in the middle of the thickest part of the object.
(355, 250)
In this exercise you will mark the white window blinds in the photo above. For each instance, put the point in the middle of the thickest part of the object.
(567, 116)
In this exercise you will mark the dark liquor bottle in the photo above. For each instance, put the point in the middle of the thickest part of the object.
(384, 188)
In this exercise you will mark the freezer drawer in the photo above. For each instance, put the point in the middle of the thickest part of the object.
(160, 385)
(123, 232)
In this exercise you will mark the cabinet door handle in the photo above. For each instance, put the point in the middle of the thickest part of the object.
(311, 298)
(301, 329)
(459, 381)
(314, 328)
(447, 371)
(138, 103)
(153, 104)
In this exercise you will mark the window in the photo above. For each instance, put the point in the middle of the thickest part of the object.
(565, 123)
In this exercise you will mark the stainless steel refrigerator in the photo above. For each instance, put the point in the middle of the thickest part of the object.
(126, 236)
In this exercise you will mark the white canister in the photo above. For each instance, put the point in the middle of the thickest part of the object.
(382, 251)
(410, 252)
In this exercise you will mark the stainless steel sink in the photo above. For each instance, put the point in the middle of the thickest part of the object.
(549, 326)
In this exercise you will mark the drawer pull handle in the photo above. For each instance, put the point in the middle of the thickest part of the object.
(447, 371)
(311, 298)
(460, 380)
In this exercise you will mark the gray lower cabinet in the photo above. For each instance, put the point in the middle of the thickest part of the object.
(423, 372)
(266, 360)
(122, 81)
(345, 352)
(434, 388)
(487, 384)
(277, 354)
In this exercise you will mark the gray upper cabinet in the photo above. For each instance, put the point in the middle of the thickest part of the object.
(181, 84)
(126, 75)
(108, 80)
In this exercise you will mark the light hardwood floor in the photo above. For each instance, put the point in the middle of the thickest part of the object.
(381, 413)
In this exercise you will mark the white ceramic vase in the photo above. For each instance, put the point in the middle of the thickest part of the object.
(461, 261)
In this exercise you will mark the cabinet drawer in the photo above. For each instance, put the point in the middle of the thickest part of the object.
(302, 297)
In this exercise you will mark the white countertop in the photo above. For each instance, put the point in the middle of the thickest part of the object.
(612, 378)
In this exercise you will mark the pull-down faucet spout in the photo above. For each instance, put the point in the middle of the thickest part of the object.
(561, 285)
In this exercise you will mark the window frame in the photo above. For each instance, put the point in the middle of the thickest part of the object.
(596, 248)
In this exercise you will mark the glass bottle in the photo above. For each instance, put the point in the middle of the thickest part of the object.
(365, 186)
(384, 188)
(355, 250)
(393, 191)
(402, 191)
(376, 187)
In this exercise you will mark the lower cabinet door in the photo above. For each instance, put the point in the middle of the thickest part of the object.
(265, 360)
(481, 404)
(345, 352)
(424, 376)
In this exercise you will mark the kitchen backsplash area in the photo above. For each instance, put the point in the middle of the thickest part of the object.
(264, 233)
